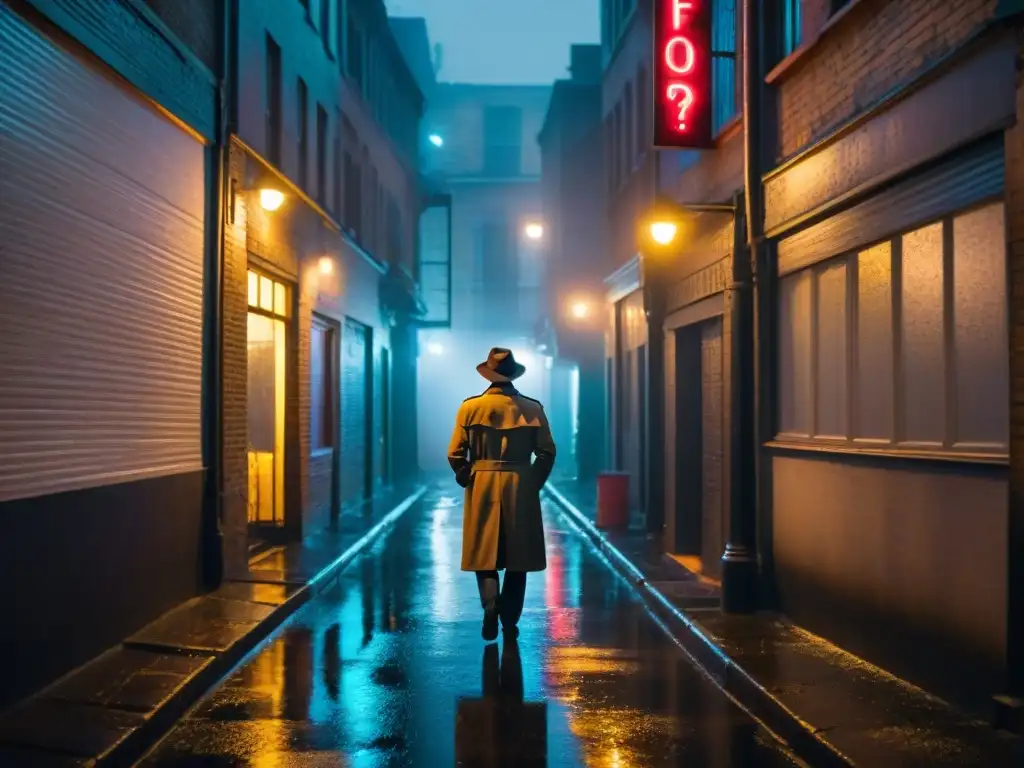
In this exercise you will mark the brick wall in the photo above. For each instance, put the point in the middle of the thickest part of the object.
(195, 24)
(235, 381)
(875, 47)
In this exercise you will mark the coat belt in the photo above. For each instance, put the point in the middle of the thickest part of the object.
(493, 465)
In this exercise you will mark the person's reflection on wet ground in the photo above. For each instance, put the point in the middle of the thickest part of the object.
(500, 728)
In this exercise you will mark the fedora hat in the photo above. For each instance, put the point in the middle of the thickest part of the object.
(500, 366)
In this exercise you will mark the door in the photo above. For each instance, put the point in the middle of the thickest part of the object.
(712, 424)
(355, 416)
(323, 422)
(267, 355)
(689, 508)
(384, 461)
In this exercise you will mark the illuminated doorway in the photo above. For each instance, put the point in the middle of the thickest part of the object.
(267, 388)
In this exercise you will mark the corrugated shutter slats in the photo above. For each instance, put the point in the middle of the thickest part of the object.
(101, 278)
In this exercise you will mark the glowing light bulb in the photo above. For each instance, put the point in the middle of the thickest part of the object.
(663, 232)
(580, 310)
(436, 140)
(271, 199)
(326, 265)
(534, 231)
(435, 348)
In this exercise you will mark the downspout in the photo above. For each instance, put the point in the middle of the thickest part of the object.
(739, 563)
(213, 534)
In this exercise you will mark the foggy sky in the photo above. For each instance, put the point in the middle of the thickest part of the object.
(505, 41)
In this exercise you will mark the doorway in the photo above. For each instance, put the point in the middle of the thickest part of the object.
(267, 350)
(385, 416)
(699, 443)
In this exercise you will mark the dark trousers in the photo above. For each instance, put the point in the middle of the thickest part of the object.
(505, 598)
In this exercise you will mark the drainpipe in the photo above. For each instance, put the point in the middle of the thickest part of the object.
(654, 380)
(212, 557)
(739, 562)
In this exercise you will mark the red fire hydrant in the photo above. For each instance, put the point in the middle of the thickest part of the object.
(613, 500)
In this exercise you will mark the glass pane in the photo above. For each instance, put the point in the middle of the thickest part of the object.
(979, 306)
(795, 354)
(830, 360)
(280, 390)
(265, 455)
(921, 333)
(280, 300)
(254, 289)
(873, 377)
(266, 294)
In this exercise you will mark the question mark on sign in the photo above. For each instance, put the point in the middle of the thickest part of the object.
(673, 92)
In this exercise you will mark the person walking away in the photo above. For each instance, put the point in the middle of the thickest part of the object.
(496, 435)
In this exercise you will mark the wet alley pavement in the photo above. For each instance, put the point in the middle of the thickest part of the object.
(387, 668)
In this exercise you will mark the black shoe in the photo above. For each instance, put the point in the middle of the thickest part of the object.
(490, 628)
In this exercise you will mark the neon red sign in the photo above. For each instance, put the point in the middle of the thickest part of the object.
(682, 74)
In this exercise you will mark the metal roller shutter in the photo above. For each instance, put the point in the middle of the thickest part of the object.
(101, 277)
(355, 415)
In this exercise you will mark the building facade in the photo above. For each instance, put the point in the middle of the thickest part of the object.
(327, 111)
(837, 326)
(226, 302)
(109, 185)
(488, 162)
(574, 207)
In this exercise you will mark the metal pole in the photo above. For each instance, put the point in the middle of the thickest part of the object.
(739, 562)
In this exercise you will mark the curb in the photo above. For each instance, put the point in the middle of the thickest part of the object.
(736, 682)
(143, 739)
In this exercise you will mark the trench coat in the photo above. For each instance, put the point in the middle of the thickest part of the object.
(496, 435)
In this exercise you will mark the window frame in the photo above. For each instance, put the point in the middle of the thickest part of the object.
(327, 433)
(274, 93)
(897, 444)
(302, 98)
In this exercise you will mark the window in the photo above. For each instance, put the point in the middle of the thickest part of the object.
(321, 154)
(353, 195)
(321, 385)
(503, 140)
(726, 96)
(792, 23)
(303, 128)
(273, 95)
(902, 344)
(338, 166)
(617, 147)
(627, 129)
(325, 25)
(643, 101)
(355, 51)
(609, 153)
(394, 230)
(496, 268)
(369, 239)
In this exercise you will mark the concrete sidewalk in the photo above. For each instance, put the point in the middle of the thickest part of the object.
(110, 711)
(832, 708)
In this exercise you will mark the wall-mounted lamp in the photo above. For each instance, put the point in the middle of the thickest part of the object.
(580, 310)
(326, 265)
(436, 139)
(271, 199)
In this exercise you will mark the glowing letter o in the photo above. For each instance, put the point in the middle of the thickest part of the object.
(670, 55)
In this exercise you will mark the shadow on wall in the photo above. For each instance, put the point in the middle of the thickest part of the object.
(446, 375)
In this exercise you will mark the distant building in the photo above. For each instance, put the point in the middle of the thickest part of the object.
(488, 160)
(575, 209)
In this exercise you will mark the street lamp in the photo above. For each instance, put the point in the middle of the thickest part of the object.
(534, 230)
(580, 310)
